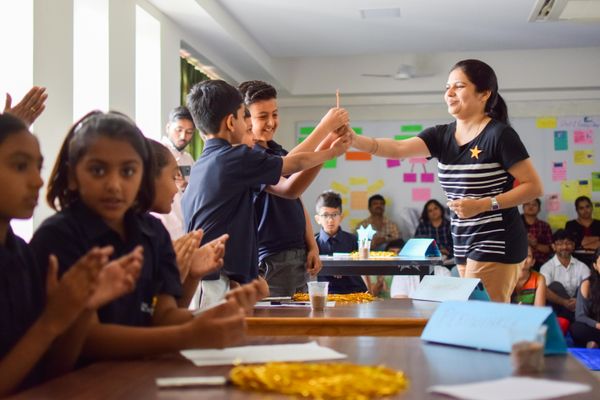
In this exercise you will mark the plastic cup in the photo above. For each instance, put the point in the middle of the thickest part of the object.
(317, 292)
(527, 356)
(363, 250)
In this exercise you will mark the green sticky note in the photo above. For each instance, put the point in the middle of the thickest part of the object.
(357, 130)
(411, 128)
(595, 181)
(403, 137)
(330, 163)
(301, 139)
(306, 130)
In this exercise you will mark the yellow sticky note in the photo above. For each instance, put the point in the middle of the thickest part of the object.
(353, 224)
(569, 190)
(375, 186)
(546, 122)
(358, 200)
(584, 188)
(357, 180)
(557, 221)
(338, 187)
(596, 212)
(583, 157)
(344, 201)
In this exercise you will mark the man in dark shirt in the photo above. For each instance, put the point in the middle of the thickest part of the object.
(332, 239)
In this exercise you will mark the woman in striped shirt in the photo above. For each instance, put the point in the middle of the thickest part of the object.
(479, 158)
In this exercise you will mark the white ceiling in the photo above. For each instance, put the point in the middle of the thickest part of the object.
(270, 39)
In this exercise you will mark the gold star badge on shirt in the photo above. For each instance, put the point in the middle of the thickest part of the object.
(475, 152)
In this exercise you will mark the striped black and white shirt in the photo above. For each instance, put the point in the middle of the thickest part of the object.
(480, 169)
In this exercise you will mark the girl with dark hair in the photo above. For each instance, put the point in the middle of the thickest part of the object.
(479, 158)
(44, 319)
(435, 225)
(586, 328)
(103, 185)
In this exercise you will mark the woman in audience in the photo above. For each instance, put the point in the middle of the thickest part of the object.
(586, 328)
(531, 285)
(435, 225)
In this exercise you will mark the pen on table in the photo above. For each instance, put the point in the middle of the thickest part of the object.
(191, 381)
(295, 303)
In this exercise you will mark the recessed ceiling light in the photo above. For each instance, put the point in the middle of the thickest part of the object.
(372, 13)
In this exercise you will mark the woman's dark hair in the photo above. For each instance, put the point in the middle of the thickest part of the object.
(81, 136)
(162, 155)
(595, 289)
(425, 216)
(253, 91)
(581, 199)
(484, 78)
(9, 125)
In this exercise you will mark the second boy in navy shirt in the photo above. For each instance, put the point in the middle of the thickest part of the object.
(332, 239)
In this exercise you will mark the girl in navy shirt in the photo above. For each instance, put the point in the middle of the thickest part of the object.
(103, 185)
(37, 310)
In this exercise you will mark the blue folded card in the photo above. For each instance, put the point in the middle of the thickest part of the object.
(445, 288)
(420, 247)
(493, 326)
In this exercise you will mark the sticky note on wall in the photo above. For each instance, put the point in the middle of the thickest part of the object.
(583, 157)
(561, 140)
(559, 171)
(595, 181)
(553, 203)
(546, 122)
(392, 163)
(557, 221)
(421, 194)
(583, 136)
(359, 200)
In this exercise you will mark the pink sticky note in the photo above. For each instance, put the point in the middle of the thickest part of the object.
(427, 177)
(418, 160)
(553, 203)
(559, 171)
(392, 163)
(410, 177)
(421, 194)
(583, 136)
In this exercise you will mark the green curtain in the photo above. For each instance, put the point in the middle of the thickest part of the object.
(189, 77)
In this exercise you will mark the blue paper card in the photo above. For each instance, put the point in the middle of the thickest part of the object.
(420, 247)
(445, 288)
(492, 326)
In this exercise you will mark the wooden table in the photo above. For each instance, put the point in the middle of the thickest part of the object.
(390, 317)
(424, 365)
(378, 266)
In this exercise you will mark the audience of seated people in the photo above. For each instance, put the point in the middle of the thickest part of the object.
(539, 233)
(531, 285)
(585, 230)
(586, 328)
(563, 273)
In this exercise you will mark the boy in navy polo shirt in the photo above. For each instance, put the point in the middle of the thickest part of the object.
(332, 239)
(287, 250)
(220, 192)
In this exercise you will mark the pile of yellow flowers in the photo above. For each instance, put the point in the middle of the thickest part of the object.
(340, 298)
(320, 381)
(376, 254)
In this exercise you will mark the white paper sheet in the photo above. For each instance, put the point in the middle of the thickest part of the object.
(259, 354)
(512, 388)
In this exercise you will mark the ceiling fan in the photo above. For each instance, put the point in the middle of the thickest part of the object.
(404, 72)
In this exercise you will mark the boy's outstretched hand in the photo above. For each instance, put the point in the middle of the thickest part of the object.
(118, 277)
(68, 297)
(341, 144)
(334, 119)
(30, 107)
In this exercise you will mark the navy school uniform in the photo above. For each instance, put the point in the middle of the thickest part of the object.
(341, 242)
(281, 222)
(219, 199)
(72, 232)
(23, 291)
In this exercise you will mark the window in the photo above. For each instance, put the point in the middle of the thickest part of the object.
(147, 74)
(90, 56)
(16, 68)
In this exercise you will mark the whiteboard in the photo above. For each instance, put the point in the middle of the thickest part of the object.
(563, 151)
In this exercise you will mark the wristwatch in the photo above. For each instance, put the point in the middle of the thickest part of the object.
(495, 205)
